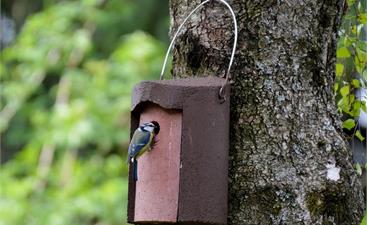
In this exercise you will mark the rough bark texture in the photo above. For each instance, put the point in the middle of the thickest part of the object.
(285, 131)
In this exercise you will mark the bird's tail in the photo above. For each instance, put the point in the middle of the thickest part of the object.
(135, 170)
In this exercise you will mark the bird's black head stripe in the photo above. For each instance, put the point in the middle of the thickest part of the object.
(156, 127)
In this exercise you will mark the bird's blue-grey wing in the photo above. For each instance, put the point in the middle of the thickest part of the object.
(138, 141)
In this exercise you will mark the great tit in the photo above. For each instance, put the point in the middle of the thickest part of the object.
(143, 139)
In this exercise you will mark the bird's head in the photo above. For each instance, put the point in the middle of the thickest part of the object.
(152, 126)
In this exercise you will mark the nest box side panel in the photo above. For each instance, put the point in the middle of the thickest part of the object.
(157, 188)
(204, 155)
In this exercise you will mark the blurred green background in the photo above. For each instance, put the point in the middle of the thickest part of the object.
(67, 70)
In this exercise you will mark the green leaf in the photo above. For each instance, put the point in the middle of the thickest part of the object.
(336, 87)
(339, 69)
(362, 55)
(345, 104)
(362, 18)
(363, 106)
(349, 124)
(361, 46)
(351, 2)
(359, 169)
(364, 221)
(356, 108)
(359, 64)
(355, 83)
(344, 91)
(359, 135)
(343, 52)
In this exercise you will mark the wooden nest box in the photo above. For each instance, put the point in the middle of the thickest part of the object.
(184, 178)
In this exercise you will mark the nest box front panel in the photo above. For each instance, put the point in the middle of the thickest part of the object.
(157, 189)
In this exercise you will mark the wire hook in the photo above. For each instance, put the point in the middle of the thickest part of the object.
(222, 89)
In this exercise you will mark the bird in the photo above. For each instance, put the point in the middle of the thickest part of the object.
(144, 138)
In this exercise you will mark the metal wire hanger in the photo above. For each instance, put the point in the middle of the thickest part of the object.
(221, 91)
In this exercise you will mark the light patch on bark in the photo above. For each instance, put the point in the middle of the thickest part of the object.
(333, 172)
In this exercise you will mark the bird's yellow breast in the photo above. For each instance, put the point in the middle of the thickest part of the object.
(146, 147)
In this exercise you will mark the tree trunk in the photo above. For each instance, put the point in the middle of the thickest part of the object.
(289, 162)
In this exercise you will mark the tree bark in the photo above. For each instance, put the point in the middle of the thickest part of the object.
(289, 162)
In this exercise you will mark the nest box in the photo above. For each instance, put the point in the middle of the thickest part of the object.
(184, 178)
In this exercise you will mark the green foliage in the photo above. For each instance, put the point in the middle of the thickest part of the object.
(349, 124)
(94, 192)
(351, 66)
(65, 108)
(359, 135)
